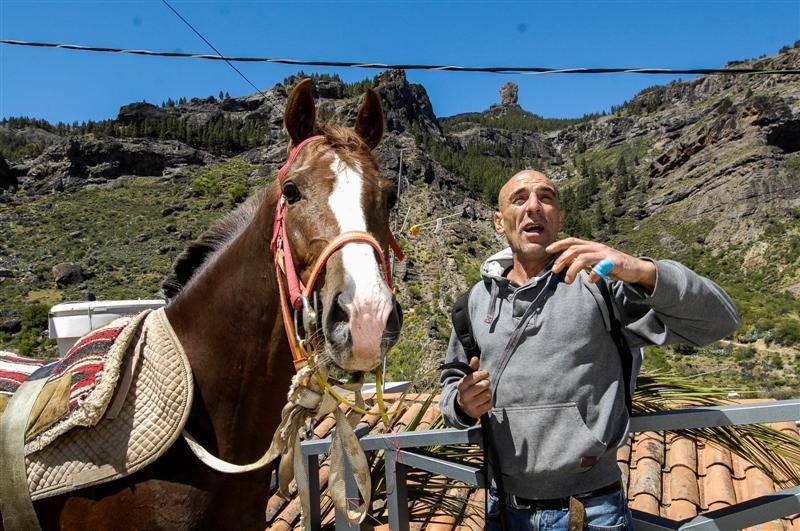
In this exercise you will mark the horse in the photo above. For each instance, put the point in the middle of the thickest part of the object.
(224, 305)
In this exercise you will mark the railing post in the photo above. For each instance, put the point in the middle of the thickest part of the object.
(312, 473)
(396, 491)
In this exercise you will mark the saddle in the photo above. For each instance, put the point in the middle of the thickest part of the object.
(113, 405)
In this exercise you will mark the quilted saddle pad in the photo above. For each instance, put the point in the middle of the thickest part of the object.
(128, 389)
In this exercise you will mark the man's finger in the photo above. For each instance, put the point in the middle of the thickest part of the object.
(562, 244)
(583, 261)
(469, 388)
(475, 363)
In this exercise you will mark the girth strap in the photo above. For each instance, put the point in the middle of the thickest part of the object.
(15, 496)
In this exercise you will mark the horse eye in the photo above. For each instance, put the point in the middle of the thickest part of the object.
(391, 201)
(291, 192)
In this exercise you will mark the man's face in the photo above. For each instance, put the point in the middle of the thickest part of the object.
(530, 214)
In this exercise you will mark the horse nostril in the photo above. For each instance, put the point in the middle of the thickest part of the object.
(338, 329)
(338, 312)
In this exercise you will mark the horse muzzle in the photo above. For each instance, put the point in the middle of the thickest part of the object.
(359, 332)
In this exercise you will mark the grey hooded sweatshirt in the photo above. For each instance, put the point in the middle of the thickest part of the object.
(558, 411)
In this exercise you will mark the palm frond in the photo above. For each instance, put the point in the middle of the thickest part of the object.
(775, 453)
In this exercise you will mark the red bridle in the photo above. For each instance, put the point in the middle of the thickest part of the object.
(299, 295)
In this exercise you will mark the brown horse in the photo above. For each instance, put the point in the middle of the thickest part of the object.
(224, 308)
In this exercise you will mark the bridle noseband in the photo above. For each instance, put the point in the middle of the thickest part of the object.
(299, 296)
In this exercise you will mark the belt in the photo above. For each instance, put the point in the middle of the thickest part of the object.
(560, 503)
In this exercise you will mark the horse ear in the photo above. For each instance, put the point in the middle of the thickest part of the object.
(369, 122)
(301, 115)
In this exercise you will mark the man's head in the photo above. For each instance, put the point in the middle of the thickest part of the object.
(529, 215)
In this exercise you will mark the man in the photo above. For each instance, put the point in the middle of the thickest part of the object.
(550, 374)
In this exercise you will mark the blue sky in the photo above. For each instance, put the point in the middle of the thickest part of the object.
(61, 85)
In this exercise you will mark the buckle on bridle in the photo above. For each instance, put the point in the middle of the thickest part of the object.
(309, 318)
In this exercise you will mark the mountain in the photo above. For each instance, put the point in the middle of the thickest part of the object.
(705, 171)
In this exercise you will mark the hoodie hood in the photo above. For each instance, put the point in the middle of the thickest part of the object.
(497, 264)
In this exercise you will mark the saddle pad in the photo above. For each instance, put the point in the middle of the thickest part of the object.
(150, 417)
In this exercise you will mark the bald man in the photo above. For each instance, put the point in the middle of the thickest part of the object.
(550, 374)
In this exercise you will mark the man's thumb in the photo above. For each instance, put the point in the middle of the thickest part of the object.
(475, 363)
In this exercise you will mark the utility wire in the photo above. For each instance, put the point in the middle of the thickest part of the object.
(526, 70)
(212, 47)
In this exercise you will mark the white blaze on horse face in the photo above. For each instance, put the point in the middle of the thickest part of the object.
(365, 296)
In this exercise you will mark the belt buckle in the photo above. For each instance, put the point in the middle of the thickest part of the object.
(513, 502)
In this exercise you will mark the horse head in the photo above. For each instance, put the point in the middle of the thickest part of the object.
(337, 206)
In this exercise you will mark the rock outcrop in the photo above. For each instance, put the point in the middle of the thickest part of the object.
(79, 161)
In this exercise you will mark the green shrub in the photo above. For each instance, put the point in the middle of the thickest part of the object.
(34, 317)
(743, 353)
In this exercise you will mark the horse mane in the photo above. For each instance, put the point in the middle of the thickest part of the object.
(342, 139)
(213, 239)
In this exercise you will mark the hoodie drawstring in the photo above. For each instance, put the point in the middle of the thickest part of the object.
(492, 302)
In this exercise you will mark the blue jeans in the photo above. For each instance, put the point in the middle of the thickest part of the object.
(603, 513)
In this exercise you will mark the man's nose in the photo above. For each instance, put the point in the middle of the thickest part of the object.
(533, 204)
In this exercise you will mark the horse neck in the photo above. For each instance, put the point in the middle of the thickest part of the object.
(228, 321)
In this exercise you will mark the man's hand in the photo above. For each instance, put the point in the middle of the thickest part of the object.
(474, 394)
(581, 254)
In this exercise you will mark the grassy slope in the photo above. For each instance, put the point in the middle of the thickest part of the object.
(120, 231)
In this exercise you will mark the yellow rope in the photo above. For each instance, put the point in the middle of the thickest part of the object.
(379, 394)
(329, 388)
(325, 384)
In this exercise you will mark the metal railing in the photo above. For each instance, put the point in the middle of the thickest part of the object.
(401, 453)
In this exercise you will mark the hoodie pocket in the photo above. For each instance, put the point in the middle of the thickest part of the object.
(544, 440)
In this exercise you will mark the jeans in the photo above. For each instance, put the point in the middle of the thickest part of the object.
(603, 513)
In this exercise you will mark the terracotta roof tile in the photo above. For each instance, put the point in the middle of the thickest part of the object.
(740, 467)
(718, 489)
(788, 427)
(682, 452)
(680, 510)
(648, 445)
(712, 455)
(644, 502)
(758, 484)
(646, 479)
(683, 485)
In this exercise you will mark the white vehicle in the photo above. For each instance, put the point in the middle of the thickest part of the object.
(70, 320)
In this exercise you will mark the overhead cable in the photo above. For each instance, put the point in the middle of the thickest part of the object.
(526, 70)
(212, 46)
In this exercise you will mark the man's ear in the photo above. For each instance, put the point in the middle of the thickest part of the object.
(498, 223)
(562, 217)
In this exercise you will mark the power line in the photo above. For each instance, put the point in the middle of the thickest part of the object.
(212, 47)
(522, 70)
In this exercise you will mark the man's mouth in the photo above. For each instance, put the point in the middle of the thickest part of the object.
(533, 228)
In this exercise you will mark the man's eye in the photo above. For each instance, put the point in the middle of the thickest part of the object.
(291, 192)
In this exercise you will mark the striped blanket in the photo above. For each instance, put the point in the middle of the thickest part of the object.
(71, 380)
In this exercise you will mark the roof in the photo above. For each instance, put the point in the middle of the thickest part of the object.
(665, 475)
